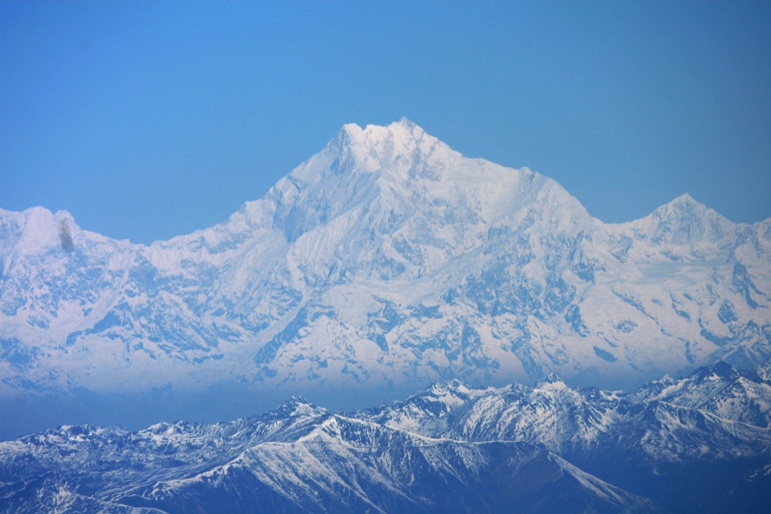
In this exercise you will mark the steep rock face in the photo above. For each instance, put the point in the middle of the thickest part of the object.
(387, 258)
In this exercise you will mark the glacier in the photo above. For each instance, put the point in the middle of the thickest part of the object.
(387, 260)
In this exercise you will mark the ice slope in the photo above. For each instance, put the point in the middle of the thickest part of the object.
(386, 259)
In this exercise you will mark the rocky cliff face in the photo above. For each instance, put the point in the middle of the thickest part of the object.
(387, 258)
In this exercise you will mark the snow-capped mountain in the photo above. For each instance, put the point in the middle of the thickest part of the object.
(385, 259)
(450, 448)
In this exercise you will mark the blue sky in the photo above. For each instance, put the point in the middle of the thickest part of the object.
(147, 120)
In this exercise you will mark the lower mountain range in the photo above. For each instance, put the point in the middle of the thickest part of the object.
(697, 444)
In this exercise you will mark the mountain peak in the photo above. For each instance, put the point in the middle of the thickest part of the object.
(453, 387)
(720, 370)
(373, 133)
(684, 221)
(686, 199)
(42, 230)
(687, 203)
(375, 147)
(298, 406)
(406, 122)
(551, 382)
(683, 207)
(684, 203)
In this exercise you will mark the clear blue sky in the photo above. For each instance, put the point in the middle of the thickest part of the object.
(147, 120)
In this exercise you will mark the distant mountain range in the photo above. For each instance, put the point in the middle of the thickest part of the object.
(387, 259)
(698, 444)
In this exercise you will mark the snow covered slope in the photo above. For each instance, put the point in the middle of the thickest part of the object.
(386, 259)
